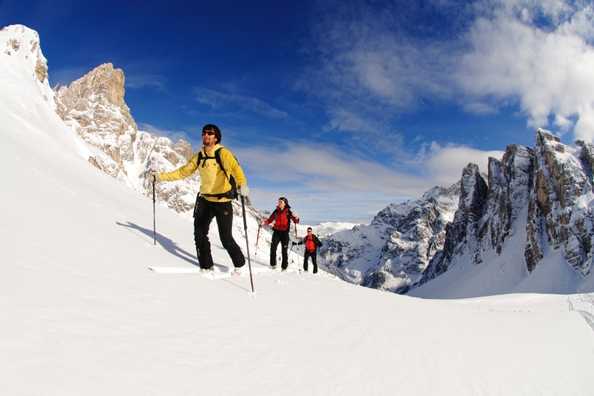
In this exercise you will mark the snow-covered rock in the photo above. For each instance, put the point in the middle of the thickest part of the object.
(95, 108)
(560, 213)
(21, 55)
(393, 251)
(535, 212)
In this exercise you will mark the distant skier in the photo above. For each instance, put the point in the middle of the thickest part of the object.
(281, 217)
(219, 171)
(312, 243)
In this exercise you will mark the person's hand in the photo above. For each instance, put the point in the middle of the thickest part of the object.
(153, 175)
(244, 191)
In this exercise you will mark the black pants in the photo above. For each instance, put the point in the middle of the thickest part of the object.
(203, 214)
(283, 238)
(313, 256)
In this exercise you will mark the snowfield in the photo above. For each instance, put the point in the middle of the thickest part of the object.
(83, 315)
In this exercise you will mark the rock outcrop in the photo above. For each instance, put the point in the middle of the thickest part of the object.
(94, 106)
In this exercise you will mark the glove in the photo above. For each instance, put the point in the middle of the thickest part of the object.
(153, 175)
(244, 191)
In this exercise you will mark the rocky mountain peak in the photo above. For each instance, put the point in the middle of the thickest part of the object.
(94, 107)
(97, 99)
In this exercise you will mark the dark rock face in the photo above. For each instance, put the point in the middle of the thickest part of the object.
(462, 235)
(510, 181)
(559, 215)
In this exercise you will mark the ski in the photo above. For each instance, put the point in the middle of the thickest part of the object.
(209, 274)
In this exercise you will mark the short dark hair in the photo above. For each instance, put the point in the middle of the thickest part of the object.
(215, 129)
(285, 200)
(309, 229)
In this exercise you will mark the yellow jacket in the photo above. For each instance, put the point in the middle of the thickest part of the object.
(212, 177)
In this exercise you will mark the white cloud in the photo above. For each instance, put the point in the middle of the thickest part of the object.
(321, 168)
(445, 164)
(480, 108)
(330, 184)
(345, 120)
(218, 100)
(549, 70)
(536, 54)
(368, 68)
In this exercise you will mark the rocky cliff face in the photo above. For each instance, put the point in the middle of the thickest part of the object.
(541, 198)
(462, 235)
(393, 251)
(560, 214)
(95, 108)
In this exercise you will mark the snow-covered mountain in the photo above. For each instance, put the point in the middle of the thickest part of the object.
(393, 251)
(95, 108)
(529, 227)
(82, 315)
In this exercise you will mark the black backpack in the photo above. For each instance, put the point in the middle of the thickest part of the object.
(232, 194)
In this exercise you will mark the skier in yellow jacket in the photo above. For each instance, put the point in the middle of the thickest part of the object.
(218, 168)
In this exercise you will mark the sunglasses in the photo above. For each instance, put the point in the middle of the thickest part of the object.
(209, 133)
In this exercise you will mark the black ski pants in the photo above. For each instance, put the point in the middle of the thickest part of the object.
(313, 256)
(203, 215)
(283, 238)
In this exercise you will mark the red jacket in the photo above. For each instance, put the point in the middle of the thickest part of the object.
(282, 219)
(312, 243)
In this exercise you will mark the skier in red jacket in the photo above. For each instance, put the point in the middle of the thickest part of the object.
(312, 243)
(281, 217)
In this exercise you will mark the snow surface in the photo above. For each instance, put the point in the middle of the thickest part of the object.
(83, 315)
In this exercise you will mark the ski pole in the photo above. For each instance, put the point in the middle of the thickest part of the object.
(291, 253)
(154, 217)
(257, 238)
(247, 244)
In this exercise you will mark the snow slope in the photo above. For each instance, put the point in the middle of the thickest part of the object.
(82, 315)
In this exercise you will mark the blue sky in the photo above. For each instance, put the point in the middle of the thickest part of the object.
(344, 107)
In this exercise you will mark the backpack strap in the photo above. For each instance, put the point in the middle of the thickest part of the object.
(218, 159)
(202, 157)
